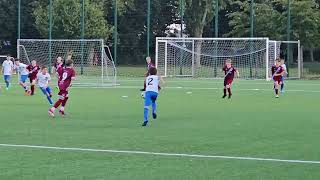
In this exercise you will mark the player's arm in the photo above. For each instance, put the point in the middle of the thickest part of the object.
(2, 68)
(237, 73)
(161, 80)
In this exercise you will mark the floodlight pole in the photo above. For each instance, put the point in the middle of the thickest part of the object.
(181, 3)
(216, 20)
(148, 27)
(115, 32)
(50, 34)
(82, 33)
(251, 34)
(216, 35)
(288, 35)
(19, 19)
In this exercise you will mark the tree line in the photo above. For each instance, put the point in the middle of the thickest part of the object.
(270, 20)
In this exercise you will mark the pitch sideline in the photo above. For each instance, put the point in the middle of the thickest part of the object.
(158, 153)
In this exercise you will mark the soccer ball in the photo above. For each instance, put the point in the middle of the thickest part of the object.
(143, 94)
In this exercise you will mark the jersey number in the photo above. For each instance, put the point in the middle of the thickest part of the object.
(150, 82)
(64, 76)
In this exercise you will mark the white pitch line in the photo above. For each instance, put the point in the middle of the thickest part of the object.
(200, 88)
(161, 154)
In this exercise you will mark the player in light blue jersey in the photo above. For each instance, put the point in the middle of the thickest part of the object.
(24, 75)
(152, 89)
(283, 65)
(43, 80)
(7, 69)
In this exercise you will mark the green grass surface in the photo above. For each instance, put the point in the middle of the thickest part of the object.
(192, 119)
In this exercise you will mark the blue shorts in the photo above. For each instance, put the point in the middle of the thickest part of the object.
(282, 78)
(150, 98)
(23, 78)
(7, 77)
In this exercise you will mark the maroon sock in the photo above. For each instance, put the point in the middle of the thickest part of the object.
(225, 92)
(32, 89)
(64, 102)
(57, 104)
(229, 91)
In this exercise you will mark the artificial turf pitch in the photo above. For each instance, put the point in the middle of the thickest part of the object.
(192, 119)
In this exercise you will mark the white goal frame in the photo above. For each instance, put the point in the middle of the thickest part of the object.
(270, 51)
(95, 67)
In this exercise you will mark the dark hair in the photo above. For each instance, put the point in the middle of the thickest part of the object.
(153, 71)
(17, 59)
(69, 63)
(43, 67)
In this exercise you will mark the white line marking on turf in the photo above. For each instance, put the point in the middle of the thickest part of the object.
(160, 154)
(200, 88)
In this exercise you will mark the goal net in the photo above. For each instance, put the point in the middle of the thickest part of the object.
(92, 60)
(205, 57)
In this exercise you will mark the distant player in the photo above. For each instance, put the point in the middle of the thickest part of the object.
(7, 69)
(277, 72)
(58, 64)
(283, 65)
(152, 90)
(149, 65)
(67, 75)
(229, 73)
(24, 74)
(43, 79)
(33, 69)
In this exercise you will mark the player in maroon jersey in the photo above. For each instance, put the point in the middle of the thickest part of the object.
(229, 73)
(149, 65)
(58, 64)
(33, 69)
(65, 80)
(58, 67)
(277, 73)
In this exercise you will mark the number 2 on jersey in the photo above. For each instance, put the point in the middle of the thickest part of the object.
(150, 82)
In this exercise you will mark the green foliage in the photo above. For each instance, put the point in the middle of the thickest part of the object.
(270, 20)
(199, 13)
(67, 20)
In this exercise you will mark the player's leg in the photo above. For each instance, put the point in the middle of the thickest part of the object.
(23, 79)
(33, 83)
(61, 95)
(229, 90)
(282, 84)
(49, 91)
(147, 103)
(7, 81)
(44, 91)
(63, 104)
(276, 88)
(154, 105)
(224, 89)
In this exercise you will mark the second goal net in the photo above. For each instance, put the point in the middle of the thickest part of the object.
(205, 57)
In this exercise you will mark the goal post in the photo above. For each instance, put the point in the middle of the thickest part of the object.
(92, 59)
(204, 57)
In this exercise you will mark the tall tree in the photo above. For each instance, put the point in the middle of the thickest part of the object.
(198, 14)
(66, 20)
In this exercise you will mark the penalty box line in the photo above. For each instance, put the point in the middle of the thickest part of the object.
(158, 154)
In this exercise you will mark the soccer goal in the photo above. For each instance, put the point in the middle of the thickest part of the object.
(204, 57)
(92, 59)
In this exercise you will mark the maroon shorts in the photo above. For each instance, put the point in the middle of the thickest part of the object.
(63, 91)
(276, 79)
(32, 78)
(227, 82)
